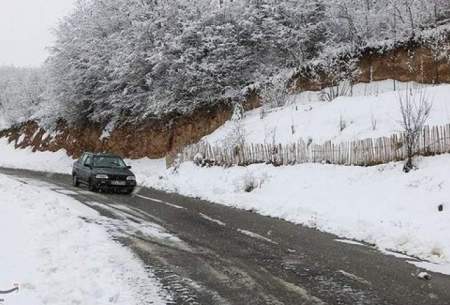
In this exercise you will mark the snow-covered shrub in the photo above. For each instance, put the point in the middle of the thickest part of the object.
(199, 159)
(176, 164)
(343, 88)
(275, 93)
(249, 182)
(238, 112)
(236, 137)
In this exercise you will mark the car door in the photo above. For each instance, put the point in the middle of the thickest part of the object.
(86, 168)
(77, 166)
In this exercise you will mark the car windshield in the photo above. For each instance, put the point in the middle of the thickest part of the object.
(109, 162)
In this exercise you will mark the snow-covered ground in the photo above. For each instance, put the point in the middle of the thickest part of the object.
(380, 205)
(57, 257)
(372, 111)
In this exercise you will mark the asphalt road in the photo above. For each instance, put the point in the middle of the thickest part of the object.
(225, 256)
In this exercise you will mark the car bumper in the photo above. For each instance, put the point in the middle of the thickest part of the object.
(110, 185)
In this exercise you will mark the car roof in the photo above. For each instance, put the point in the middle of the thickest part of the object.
(102, 155)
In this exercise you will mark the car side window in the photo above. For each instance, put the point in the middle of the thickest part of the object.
(88, 160)
(83, 158)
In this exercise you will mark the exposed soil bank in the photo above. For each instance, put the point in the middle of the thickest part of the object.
(152, 139)
(406, 63)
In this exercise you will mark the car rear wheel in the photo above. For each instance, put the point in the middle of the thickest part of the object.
(75, 181)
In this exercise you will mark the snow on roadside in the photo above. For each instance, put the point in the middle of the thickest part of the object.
(379, 205)
(10, 157)
(60, 162)
(59, 258)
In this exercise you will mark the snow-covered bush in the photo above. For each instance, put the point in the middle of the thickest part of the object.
(199, 159)
(249, 182)
(275, 93)
(236, 136)
(343, 88)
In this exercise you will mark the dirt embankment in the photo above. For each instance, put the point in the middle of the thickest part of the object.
(153, 138)
(156, 138)
(406, 63)
(150, 139)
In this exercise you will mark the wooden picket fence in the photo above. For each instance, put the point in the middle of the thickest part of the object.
(433, 141)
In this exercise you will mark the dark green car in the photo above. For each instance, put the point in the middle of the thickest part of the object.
(103, 172)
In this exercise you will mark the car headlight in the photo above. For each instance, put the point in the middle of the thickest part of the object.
(131, 178)
(100, 176)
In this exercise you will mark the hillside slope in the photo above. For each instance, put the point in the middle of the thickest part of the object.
(373, 111)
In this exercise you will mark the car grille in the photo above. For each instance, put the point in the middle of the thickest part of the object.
(118, 177)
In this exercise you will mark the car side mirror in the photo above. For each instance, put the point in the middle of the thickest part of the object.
(129, 167)
(88, 165)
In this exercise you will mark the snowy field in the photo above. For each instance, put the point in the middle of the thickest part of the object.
(380, 205)
(57, 257)
(372, 111)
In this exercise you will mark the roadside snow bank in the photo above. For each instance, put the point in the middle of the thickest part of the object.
(59, 258)
(380, 205)
(10, 157)
(60, 162)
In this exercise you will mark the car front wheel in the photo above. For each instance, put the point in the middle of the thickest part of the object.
(75, 181)
(129, 191)
(92, 186)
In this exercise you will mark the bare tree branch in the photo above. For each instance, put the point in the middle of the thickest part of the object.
(415, 108)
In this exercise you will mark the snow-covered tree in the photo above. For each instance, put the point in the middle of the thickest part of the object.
(21, 93)
(137, 59)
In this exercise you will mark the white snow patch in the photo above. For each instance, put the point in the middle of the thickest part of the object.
(162, 202)
(350, 242)
(354, 277)
(58, 258)
(220, 223)
(432, 267)
(257, 236)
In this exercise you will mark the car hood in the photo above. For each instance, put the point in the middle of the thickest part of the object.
(113, 171)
